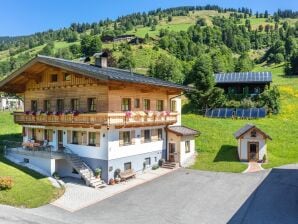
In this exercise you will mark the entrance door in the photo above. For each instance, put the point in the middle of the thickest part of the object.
(60, 139)
(172, 152)
(253, 151)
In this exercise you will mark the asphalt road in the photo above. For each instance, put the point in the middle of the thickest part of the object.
(185, 196)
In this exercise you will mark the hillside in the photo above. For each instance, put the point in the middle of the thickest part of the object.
(173, 20)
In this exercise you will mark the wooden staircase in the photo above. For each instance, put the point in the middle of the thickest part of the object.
(84, 171)
(170, 165)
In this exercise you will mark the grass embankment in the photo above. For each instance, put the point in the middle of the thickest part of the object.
(30, 188)
(217, 146)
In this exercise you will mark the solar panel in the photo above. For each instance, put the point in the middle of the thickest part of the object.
(239, 112)
(222, 112)
(262, 112)
(246, 113)
(215, 112)
(230, 112)
(243, 77)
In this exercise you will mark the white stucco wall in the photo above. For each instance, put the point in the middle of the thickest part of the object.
(179, 142)
(47, 165)
(64, 169)
(184, 157)
(243, 145)
(116, 151)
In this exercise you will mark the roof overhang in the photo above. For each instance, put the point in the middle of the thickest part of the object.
(240, 135)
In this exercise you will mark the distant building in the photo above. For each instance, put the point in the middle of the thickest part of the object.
(125, 37)
(137, 40)
(250, 83)
(10, 103)
(252, 144)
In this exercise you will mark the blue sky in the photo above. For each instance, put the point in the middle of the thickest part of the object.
(18, 17)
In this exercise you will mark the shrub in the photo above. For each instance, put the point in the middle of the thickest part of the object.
(97, 172)
(6, 183)
(117, 173)
(160, 162)
(155, 167)
(56, 175)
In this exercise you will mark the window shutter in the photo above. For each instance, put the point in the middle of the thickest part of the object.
(142, 136)
(68, 137)
(132, 137)
(121, 143)
(97, 138)
(154, 134)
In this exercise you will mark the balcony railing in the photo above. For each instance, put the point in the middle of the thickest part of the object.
(107, 119)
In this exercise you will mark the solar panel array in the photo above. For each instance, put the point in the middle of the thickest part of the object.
(243, 77)
(236, 113)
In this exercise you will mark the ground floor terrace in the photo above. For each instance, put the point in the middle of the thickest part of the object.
(65, 150)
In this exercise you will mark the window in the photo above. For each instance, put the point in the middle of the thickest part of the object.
(26, 160)
(74, 171)
(54, 78)
(33, 105)
(75, 137)
(126, 104)
(74, 103)
(60, 105)
(148, 161)
(91, 105)
(66, 77)
(187, 146)
(92, 138)
(173, 106)
(159, 134)
(137, 103)
(159, 105)
(48, 135)
(33, 135)
(146, 104)
(46, 105)
(147, 135)
(256, 90)
(253, 134)
(127, 166)
(126, 137)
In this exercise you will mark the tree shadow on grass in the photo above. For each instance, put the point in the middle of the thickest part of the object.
(227, 153)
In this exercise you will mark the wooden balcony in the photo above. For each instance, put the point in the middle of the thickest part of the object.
(97, 120)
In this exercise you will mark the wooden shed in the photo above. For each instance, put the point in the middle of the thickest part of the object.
(252, 143)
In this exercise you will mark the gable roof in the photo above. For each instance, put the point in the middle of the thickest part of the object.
(247, 128)
(182, 130)
(243, 77)
(94, 72)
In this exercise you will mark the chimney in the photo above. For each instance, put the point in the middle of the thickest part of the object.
(101, 59)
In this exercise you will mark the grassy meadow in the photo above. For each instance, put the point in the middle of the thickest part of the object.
(217, 147)
(30, 188)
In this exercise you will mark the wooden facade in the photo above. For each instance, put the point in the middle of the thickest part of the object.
(49, 89)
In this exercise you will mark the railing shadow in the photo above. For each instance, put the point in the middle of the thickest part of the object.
(273, 201)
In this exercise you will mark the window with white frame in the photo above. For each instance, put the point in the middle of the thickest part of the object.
(147, 135)
(187, 146)
(159, 134)
(75, 139)
(92, 138)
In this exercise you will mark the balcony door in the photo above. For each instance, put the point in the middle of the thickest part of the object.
(60, 139)
(172, 152)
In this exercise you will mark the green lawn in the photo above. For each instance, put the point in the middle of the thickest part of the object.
(217, 147)
(30, 189)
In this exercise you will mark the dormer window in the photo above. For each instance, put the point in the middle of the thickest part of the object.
(253, 134)
(54, 78)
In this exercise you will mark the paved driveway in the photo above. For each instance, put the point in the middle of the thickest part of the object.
(188, 196)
